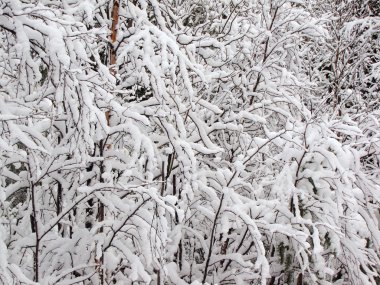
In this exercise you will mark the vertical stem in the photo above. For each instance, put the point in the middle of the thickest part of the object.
(100, 217)
(266, 55)
(174, 186)
(100, 213)
(212, 241)
(224, 247)
(101, 210)
(35, 225)
(115, 21)
(163, 178)
(59, 204)
(178, 254)
(158, 277)
(300, 279)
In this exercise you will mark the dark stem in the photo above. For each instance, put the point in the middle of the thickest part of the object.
(212, 240)
(36, 255)
(59, 205)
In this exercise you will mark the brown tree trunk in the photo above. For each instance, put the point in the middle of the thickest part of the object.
(101, 210)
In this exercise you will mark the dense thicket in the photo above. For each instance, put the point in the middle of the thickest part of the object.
(189, 142)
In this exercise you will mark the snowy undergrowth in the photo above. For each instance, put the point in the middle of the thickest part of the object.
(204, 142)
